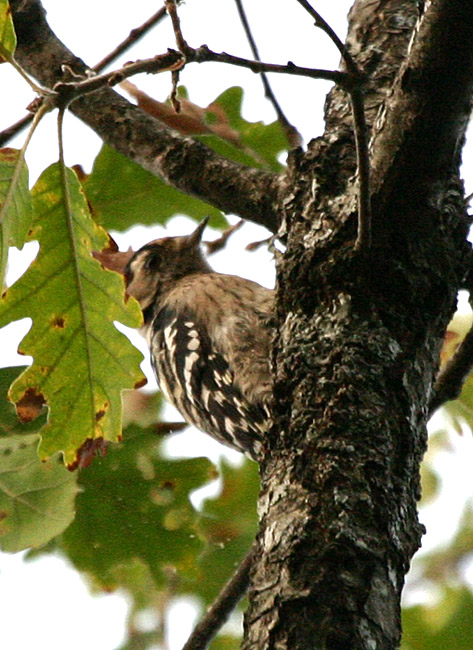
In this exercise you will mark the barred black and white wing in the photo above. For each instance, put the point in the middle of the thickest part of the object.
(198, 379)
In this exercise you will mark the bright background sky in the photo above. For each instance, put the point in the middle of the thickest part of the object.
(45, 603)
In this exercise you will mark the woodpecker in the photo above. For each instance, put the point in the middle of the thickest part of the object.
(209, 336)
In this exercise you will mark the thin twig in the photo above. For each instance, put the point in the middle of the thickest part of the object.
(204, 54)
(363, 239)
(222, 606)
(11, 131)
(292, 134)
(181, 42)
(217, 244)
(173, 60)
(451, 378)
(133, 37)
(340, 45)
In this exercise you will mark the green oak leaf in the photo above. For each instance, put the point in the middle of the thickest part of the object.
(81, 361)
(15, 204)
(7, 31)
(260, 143)
(123, 194)
(134, 505)
(36, 498)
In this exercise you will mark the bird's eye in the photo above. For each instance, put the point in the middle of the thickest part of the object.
(152, 260)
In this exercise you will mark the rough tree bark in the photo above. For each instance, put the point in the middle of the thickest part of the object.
(358, 339)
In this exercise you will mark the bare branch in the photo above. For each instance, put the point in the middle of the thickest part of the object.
(325, 27)
(184, 163)
(292, 134)
(203, 53)
(220, 243)
(451, 378)
(68, 91)
(11, 131)
(134, 36)
(222, 606)
(363, 240)
(176, 25)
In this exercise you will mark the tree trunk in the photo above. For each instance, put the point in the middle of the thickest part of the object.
(359, 334)
(358, 340)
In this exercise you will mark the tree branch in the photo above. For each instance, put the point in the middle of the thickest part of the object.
(325, 27)
(184, 163)
(203, 54)
(417, 139)
(292, 134)
(363, 240)
(14, 129)
(450, 380)
(133, 37)
(223, 605)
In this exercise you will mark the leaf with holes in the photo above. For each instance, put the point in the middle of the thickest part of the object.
(36, 498)
(81, 361)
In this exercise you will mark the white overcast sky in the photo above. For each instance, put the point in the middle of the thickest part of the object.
(45, 604)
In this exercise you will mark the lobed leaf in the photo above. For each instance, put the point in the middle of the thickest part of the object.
(81, 361)
(123, 194)
(260, 143)
(36, 498)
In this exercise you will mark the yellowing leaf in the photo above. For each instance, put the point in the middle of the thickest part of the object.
(15, 204)
(81, 361)
(36, 498)
(7, 32)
